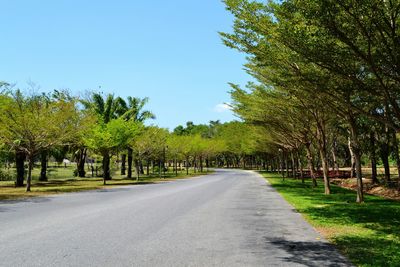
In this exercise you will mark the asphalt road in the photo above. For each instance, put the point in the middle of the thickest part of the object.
(230, 218)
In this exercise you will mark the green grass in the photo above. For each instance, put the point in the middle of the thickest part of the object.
(368, 234)
(59, 184)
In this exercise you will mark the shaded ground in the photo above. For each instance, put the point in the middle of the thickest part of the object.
(369, 233)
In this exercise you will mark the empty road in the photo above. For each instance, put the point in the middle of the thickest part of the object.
(229, 218)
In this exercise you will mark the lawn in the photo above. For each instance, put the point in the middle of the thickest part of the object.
(59, 184)
(368, 234)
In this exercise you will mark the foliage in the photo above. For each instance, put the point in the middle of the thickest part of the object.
(151, 143)
(320, 65)
(35, 123)
(115, 134)
(5, 176)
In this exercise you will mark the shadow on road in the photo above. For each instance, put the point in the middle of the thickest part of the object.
(4, 203)
(309, 253)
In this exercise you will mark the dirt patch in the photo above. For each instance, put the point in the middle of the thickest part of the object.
(369, 188)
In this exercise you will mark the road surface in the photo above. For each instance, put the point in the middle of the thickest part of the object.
(229, 218)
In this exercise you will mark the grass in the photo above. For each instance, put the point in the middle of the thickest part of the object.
(64, 185)
(368, 234)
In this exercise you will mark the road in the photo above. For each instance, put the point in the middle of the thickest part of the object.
(229, 218)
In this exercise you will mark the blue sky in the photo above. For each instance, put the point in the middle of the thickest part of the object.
(169, 51)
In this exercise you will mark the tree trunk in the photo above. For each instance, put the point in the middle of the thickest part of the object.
(123, 164)
(29, 178)
(384, 152)
(159, 168)
(396, 157)
(293, 165)
(20, 165)
(287, 164)
(353, 160)
(301, 167)
(137, 169)
(130, 159)
(334, 158)
(360, 192)
(43, 166)
(321, 137)
(81, 159)
(324, 162)
(187, 165)
(281, 159)
(356, 147)
(106, 167)
(373, 158)
(141, 167)
(310, 163)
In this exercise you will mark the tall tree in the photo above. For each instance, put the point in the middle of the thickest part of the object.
(105, 110)
(133, 111)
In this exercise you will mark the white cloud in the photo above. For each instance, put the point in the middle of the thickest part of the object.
(223, 107)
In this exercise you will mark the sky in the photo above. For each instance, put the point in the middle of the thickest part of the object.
(169, 51)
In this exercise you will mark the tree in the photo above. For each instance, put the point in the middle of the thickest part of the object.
(133, 111)
(290, 50)
(149, 145)
(238, 141)
(104, 110)
(106, 138)
(31, 124)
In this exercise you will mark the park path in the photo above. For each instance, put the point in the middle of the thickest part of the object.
(229, 218)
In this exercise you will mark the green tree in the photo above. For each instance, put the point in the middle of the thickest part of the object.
(106, 138)
(104, 110)
(32, 124)
(291, 49)
(133, 111)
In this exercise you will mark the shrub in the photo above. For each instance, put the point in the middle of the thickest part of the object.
(5, 176)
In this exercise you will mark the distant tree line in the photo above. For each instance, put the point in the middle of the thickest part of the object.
(37, 126)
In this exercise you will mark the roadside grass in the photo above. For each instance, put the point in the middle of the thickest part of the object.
(64, 185)
(368, 234)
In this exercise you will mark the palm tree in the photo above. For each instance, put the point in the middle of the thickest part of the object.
(106, 109)
(134, 111)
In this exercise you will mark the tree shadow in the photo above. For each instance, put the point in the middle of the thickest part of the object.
(4, 209)
(371, 232)
(370, 250)
(379, 215)
(312, 254)
(133, 183)
(4, 204)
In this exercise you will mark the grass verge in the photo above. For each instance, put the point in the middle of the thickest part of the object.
(368, 234)
(56, 186)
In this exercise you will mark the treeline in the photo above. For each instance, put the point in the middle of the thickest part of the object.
(327, 78)
(37, 126)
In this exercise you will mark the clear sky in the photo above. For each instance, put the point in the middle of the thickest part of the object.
(169, 51)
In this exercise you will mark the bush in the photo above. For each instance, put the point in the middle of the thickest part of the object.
(5, 176)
